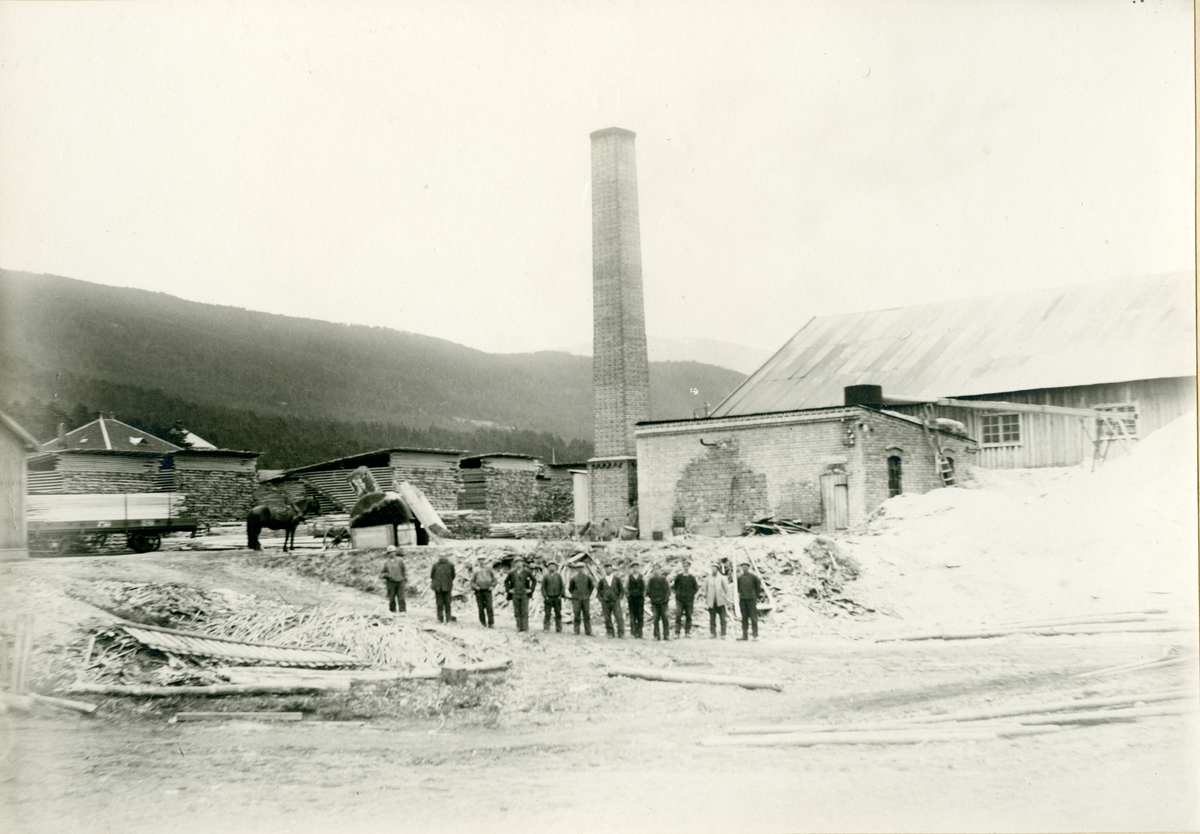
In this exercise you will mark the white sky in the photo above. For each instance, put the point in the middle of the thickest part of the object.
(425, 166)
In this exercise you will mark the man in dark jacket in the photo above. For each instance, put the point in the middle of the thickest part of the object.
(395, 576)
(518, 586)
(635, 587)
(442, 581)
(685, 587)
(749, 587)
(609, 593)
(660, 599)
(552, 594)
(581, 588)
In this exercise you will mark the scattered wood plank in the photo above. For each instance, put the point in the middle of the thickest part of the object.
(63, 703)
(1045, 631)
(1079, 618)
(1053, 706)
(239, 716)
(873, 737)
(1141, 665)
(215, 689)
(1103, 716)
(692, 677)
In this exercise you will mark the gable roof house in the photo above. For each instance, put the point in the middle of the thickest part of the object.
(109, 456)
(1126, 346)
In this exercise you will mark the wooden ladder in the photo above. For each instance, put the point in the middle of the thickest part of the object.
(943, 466)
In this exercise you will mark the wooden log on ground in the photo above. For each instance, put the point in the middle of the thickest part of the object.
(63, 703)
(215, 689)
(239, 716)
(1103, 716)
(1132, 667)
(964, 718)
(873, 737)
(1053, 706)
(668, 676)
(1080, 618)
(12, 700)
(1045, 631)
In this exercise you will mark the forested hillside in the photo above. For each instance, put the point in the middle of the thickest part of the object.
(298, 390)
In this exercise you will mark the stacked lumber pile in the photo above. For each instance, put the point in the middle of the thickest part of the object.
(105, 507)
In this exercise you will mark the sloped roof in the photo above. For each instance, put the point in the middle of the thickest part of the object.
(107, 434)
(1112, 331)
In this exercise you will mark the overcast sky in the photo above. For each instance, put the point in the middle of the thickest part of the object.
(425, 166)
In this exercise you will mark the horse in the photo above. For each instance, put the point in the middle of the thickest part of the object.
(286, 519)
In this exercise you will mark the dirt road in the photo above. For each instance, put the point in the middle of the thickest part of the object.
(555, 742)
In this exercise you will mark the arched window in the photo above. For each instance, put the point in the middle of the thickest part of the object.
(894, 484)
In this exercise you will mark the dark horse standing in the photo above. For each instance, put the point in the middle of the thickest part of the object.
(273, 519)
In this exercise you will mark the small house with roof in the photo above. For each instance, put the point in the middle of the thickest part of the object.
(109, 456)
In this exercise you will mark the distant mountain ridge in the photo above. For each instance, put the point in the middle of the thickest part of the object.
(744, 360)
(62, 337)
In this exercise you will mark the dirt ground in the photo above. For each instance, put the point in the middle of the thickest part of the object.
(554, 741)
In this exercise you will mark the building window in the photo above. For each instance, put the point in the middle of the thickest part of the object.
(1123, 415)
(1001, 429)
(894, 485)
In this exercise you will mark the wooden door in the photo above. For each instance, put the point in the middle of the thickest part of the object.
(835, 501)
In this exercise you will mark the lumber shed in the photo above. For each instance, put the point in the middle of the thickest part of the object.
(107, 456)
(15, 444)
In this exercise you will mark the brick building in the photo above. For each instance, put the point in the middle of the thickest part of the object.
(830, 467)
(621, 369)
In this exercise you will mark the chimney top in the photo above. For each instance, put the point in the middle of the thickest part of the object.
(619, 131)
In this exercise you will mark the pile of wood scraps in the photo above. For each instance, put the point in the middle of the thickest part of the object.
(776, 527)
(969, 725)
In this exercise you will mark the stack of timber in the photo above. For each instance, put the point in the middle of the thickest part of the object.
(776, 527)
(545, 530)
(1150, 620)
(968, 725)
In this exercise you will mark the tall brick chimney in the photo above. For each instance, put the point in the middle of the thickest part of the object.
(621, 370)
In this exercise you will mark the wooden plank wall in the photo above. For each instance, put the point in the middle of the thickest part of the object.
(1049, 440)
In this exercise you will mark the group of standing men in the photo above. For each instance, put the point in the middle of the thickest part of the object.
(613, 590)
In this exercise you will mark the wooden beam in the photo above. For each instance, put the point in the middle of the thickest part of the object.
(668, 676)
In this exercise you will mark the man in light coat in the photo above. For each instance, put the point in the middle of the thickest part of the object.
(395, 575)
(716, 598)
(483, 579)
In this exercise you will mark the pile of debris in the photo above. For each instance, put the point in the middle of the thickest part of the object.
(173, 635)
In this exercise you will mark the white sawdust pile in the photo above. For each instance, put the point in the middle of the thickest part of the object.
(1026, 544)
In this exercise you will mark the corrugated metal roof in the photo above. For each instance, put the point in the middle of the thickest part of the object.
(1112, 331)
